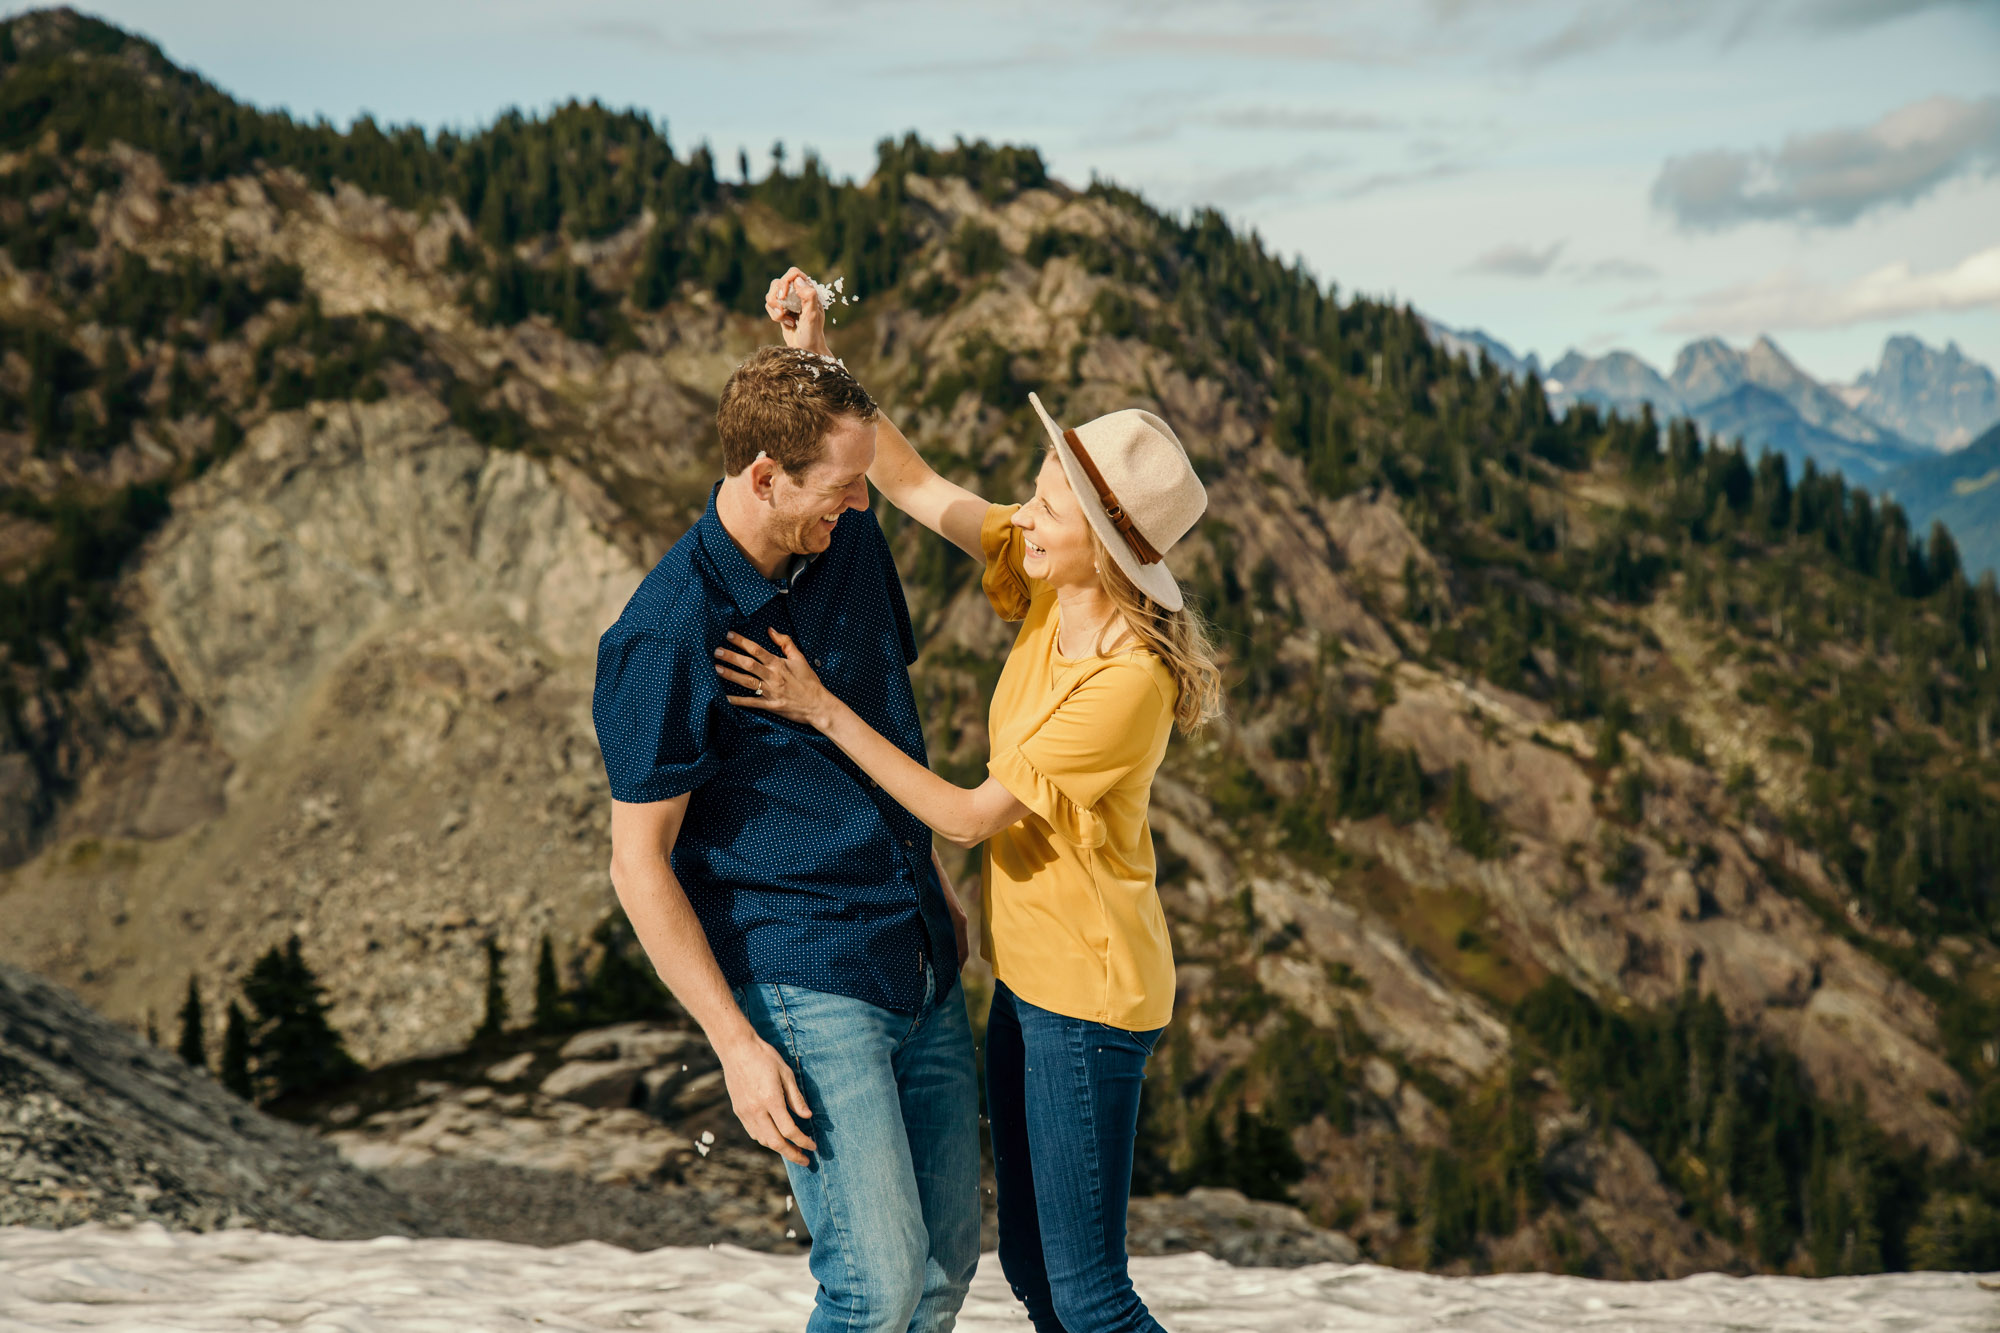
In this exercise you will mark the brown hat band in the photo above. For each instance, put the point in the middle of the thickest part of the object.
(1112, 509)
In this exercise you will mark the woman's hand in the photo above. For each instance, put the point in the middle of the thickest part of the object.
(804, 328)
(959, 926)
(785, 685)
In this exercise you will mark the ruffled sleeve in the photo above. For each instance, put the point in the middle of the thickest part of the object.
(1006, 582)
(1031, 787)
(1103, 729)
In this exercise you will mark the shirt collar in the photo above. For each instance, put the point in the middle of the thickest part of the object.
(747, 587)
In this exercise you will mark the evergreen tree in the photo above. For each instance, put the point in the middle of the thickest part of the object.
(659, 267)
(551, 1008)
(619, 987)
(1263, 1162)
(1151, 1173)
(296, 1049)
(1211, 1162)
(236, 1055)
(1465, 817)
(193, 1044)
(494, 1022)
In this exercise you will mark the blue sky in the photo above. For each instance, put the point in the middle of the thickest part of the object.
(1625, 173)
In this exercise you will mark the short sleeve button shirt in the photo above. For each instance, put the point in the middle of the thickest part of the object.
(801, 869)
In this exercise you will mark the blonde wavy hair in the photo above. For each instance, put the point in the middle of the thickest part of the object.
(1178, 638)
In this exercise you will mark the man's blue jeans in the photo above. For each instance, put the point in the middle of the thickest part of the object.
(892, 1195)
(1062, 1095)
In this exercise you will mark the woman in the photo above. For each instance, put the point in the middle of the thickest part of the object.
(1107, 660)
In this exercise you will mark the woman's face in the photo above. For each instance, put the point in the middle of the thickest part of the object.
(1059, 548)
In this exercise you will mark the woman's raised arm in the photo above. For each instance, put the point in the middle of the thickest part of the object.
(914, 486)
(899, 471)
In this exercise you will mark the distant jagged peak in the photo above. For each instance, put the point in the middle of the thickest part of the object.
(1618, 379)
(1617, 357)
(1940, 397)
(1469, 343)
(1706, 369)
(1906, 353)
(1768, 364)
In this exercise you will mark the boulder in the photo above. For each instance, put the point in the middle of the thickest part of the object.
(598, 1083)
(1240, 1231)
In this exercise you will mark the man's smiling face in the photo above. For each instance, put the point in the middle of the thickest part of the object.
(804, 509)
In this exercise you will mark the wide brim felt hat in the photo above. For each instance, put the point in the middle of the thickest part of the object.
(1137, 490)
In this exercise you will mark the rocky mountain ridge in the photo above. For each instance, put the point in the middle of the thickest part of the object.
(1917, 398)
(1757, 394)
(1542, 744)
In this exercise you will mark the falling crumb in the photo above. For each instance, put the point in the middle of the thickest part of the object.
(707, 1136)
(701, 1148)
(788, 1203)
(791, 1234)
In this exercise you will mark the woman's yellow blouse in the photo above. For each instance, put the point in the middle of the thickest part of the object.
(1070, 912)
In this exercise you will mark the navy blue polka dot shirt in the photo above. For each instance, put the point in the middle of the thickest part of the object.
(801, 869)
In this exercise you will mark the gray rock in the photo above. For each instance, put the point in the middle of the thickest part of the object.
(1236, 1230)
(513, 1067)
(98, 1126)
(599, 1083)
(648, 1043)
(696, 1094)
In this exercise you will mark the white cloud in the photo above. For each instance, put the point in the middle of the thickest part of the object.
(1593, 26)
(1790, 300)
(1395, 180)
(1516, 261)
(1867, 13)
(1616, 269)
(1835, 176)
(1299, 45)
(1247, 185)
(1299, 118)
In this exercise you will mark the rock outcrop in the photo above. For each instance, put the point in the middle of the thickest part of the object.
(375, 635)
(1249, 1233)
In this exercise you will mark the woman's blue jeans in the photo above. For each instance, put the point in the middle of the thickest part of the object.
(1063, 1098)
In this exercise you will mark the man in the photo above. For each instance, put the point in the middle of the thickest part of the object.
(794, 909)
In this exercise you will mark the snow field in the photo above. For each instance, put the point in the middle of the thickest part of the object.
(149, 1280)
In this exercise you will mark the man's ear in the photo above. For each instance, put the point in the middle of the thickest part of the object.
(763, 474)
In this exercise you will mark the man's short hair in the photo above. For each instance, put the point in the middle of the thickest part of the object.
(782, 402)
